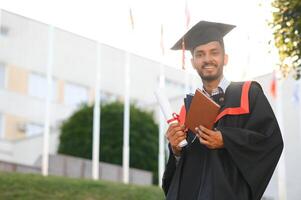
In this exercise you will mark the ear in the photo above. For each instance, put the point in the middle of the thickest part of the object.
(225, 59)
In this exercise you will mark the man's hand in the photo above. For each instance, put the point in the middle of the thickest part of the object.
(209, 138)
(175, 134)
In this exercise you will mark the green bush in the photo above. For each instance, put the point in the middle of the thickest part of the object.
(287, 35)
(76, 136)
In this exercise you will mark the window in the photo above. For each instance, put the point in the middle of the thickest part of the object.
(34, 129)
(37, 86)
(2, 75)
(75, 94)
(174, 84)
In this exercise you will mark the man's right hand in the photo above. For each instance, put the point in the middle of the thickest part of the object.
(175, 134)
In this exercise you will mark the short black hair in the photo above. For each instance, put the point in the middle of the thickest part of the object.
(221, 42)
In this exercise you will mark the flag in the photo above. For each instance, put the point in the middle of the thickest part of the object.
(296, 92)
(162, 41)
(132, 19)
(187, 16)
(273, 86)
(183, 54)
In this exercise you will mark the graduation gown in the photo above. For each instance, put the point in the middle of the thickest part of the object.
(243, 168)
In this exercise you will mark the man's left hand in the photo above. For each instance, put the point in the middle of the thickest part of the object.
(209, 138)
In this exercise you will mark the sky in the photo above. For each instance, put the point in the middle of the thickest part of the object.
(107, 21)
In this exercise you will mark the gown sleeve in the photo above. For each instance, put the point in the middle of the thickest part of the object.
(171, 165)
(255, 142)
(169, 171)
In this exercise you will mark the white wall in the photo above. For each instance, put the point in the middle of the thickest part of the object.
(27, 151)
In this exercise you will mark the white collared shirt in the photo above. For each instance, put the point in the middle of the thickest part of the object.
(223, 84)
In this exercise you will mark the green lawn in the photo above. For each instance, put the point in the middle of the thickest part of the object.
(36, 187)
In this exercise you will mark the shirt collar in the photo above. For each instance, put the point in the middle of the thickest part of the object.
(223, 84)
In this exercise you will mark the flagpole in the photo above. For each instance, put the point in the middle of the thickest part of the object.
(0, 22)
(161, 129)
(45, 158)
(161, 147)
(96, 118)
(299, 102)
(281, 165)
(187, 17)
(161, 156)
(126, 113)
(126, 120)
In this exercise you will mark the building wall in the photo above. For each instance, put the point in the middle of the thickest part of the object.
(68, 166)
(24, 51)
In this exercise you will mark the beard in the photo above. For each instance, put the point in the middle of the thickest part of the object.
(211, 77)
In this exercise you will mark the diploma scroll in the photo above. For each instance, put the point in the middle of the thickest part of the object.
(170, 116)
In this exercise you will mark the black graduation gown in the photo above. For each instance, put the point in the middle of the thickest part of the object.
(243, 168)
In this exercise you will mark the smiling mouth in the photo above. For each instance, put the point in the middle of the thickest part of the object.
(209, 67)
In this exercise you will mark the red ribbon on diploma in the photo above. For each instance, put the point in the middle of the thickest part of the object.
(175, 117)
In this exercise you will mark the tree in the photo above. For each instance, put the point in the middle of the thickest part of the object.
(287, 34)
(76, 136)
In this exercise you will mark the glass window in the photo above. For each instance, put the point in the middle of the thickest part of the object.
(37, 86)
(2, 75)
(174, 84)
(75, 94)
(34, 129)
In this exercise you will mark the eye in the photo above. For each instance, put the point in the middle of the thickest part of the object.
(199, 55)
(215, 53)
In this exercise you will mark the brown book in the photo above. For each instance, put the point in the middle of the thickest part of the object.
(203, 111)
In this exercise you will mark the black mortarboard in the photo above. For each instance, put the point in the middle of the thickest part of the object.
(202, 33)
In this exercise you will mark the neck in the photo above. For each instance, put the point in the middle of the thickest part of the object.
(211, 85)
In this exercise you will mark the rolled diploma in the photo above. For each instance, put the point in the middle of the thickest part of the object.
(166, 109)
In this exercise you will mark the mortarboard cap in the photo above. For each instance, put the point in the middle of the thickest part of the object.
(203, 33)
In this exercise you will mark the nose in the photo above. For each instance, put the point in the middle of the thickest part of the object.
(207, 58)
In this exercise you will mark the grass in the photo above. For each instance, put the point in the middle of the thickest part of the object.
(32, 187)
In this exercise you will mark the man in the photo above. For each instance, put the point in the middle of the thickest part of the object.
(235, 160)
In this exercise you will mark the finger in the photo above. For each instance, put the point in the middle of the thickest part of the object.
(175, 132)
(198, 131)
(204, 136)
(177, 139)
(174, 125)
(205, 130)
(180, 139)
(180, 134)
(174, 136)
(180, 127)
(202, 141)
(172, 129)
